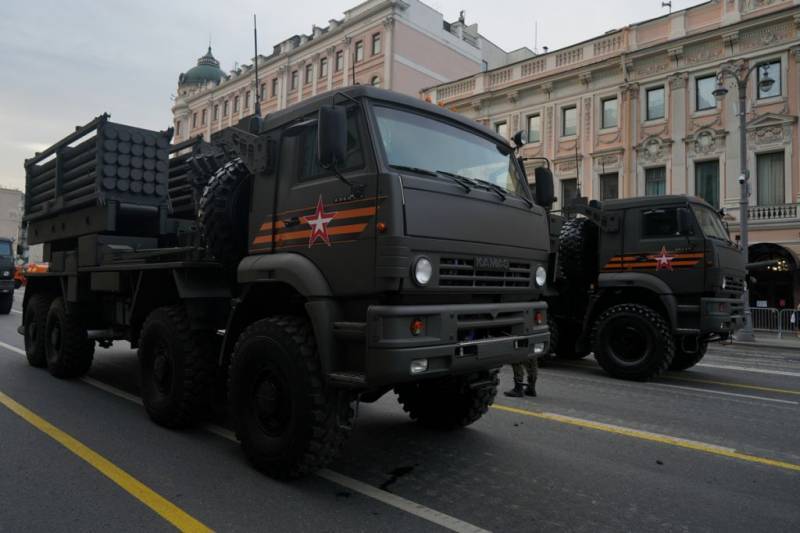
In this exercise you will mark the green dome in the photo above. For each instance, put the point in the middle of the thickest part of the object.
(207, 70)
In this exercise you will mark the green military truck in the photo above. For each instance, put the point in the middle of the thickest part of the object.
(643, 283)
(350, 245)
(7, 269)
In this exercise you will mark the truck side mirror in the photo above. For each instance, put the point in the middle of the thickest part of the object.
(685, 222)
(545, 193)
(332, 135)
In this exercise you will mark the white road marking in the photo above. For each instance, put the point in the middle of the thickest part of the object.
(751, 369)
(449, 522)
(709, 391)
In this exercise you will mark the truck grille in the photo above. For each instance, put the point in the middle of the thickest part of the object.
(461, 272)
(734, 284)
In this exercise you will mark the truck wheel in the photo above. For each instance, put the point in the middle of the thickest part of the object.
(684, 360)
(448, 403)
(632, 341)
(177, 368)
(69, 351)
(34, 324)
(577, 252)
(289, 423)
(223, 212)
(6, 301)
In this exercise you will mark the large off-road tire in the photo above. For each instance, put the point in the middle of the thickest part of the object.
(448, 403)
(178, 368)
(632, 341)
(34, 323)
(684, 360)
(68, 349)
(577, 253)
(566, 346)
(6, 302)
(224, 212)
(288, 421)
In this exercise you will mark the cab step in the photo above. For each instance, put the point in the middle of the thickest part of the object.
(350, 330)
(350, 380)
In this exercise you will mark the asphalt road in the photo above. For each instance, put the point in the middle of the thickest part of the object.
(716, 448)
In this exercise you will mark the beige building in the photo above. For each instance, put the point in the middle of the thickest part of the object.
(631, 113)
(403, 45)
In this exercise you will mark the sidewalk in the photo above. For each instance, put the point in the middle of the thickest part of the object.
(771, 340)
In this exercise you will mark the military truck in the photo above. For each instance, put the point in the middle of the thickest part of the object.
(350, 245)
(643, 283)
(7, 270)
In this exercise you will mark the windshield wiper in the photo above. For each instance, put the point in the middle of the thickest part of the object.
(435, 174)
(501, 192)
(461, 180)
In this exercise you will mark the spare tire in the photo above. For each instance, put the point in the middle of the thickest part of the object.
(577, 253)
(223, 213)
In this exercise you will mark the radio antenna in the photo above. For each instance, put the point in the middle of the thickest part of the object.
(255, 46)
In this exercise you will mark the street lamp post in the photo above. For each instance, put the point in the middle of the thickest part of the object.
(741, 75)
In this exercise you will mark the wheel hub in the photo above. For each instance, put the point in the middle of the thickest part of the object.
(162, 369)
(271, 404)
(627, 342)
(55, 337)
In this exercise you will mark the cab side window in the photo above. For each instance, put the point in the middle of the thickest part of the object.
(660, 223)
(307, 164)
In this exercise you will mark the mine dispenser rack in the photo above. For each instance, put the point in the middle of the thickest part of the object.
(105, 178)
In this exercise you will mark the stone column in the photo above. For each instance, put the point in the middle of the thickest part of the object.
(314, 73)
(388, 51)
(283, 85)
(348, 79)
(301, 78)
(794, 108)
(677, 116)
(331, 51)
(630, 98)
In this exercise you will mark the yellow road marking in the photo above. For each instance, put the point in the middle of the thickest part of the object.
(644, 435)
(738, 385)
(167, 510)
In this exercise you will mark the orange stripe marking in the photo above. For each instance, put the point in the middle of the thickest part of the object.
(340, 215)
(305, 234)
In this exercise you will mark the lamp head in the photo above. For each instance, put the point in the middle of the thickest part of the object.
(765, 82)
(720, 90)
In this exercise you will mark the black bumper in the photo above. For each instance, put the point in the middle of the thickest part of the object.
(721, 316)
(456, 339)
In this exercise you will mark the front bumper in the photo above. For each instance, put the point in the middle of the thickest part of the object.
(721, 316)
(455, 339)
(6, 286)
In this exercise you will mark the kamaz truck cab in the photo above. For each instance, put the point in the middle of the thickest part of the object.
(357, 242)
(645, 284)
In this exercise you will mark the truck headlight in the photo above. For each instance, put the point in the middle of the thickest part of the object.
(724, 283)
(541, 276)
(6, 273)
(422, 271)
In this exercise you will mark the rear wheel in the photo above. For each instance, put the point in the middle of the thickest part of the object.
(69, 350)
(34, 325)
(632, 341)
(289, 422)
(177, 368)
(449, 403)
(6, 301)
(684, 360)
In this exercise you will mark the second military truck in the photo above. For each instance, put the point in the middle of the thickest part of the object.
(350, 245)
(644, 283)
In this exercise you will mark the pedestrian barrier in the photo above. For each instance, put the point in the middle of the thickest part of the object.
(789, 323)
(765, 319)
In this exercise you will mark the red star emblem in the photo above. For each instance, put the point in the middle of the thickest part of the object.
(663, 261)
(319, 224)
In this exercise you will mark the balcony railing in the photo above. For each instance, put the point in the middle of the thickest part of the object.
(773, 213)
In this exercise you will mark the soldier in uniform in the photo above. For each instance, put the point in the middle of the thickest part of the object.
(520, 387)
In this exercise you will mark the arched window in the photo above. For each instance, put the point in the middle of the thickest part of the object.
(375, 81)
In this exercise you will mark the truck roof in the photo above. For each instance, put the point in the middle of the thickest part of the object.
(299, 110)
(647, 201)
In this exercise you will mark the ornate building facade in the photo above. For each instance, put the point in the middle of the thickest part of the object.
(631, 113)
(403, 45)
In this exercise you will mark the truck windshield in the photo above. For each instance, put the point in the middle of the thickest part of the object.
(710, 223)
(412, 140)
(5, 248)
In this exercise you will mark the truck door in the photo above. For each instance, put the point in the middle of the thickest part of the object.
(322, 217)
(663, 244)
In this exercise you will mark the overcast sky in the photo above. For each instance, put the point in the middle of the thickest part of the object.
(64, 62)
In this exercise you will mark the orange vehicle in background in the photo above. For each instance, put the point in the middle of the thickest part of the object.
(21, 271)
